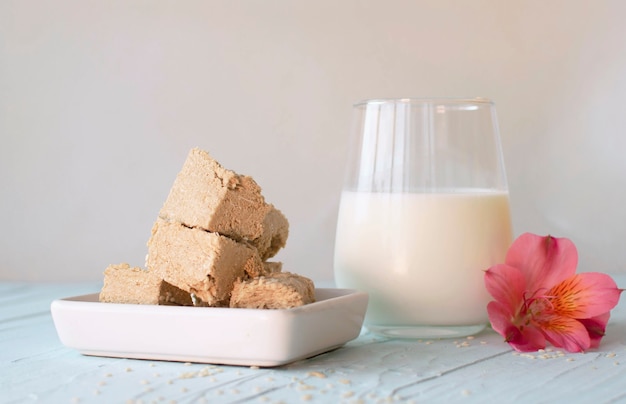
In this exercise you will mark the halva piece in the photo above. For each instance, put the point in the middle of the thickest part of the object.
(126, 284)
(203, 263)
(205, 195)
(208, 196)
(280, 290)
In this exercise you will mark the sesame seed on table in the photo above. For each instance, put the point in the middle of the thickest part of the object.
(36, 367)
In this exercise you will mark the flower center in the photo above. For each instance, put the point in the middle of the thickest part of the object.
(534, 306)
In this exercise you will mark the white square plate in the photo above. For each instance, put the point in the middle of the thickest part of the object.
(250, 337)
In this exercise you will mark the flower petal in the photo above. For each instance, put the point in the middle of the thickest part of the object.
(500, 317)
(584, 295)
(529, 339)
(522, 339)
(506, 284)
(566, 333)
(596, 327)
(545, 261)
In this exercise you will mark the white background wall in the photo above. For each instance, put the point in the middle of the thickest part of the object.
(100, 102)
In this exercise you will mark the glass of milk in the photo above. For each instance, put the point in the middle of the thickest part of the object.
(424, 212)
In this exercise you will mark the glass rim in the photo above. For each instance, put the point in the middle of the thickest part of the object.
(427, 101)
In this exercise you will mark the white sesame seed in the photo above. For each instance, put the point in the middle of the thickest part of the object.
(204, 372)
(344, 381)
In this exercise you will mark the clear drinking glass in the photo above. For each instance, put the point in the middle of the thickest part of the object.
(424, 211)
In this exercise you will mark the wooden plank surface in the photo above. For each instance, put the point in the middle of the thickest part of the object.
(36, 367)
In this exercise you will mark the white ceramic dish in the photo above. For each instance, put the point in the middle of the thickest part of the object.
(249, 337)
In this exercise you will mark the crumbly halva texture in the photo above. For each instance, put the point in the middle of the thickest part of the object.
(279, 290)
(203, 263)
(126, 284)
(274, 236)
(272, 266)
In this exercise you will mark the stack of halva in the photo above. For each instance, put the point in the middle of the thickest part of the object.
(210, 246)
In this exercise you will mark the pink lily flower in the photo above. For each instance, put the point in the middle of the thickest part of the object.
(539, 297)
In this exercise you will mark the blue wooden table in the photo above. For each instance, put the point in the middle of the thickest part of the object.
(36, 367)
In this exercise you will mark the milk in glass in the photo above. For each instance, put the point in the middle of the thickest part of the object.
(422, 256)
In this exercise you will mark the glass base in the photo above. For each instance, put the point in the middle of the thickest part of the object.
(425, 331)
